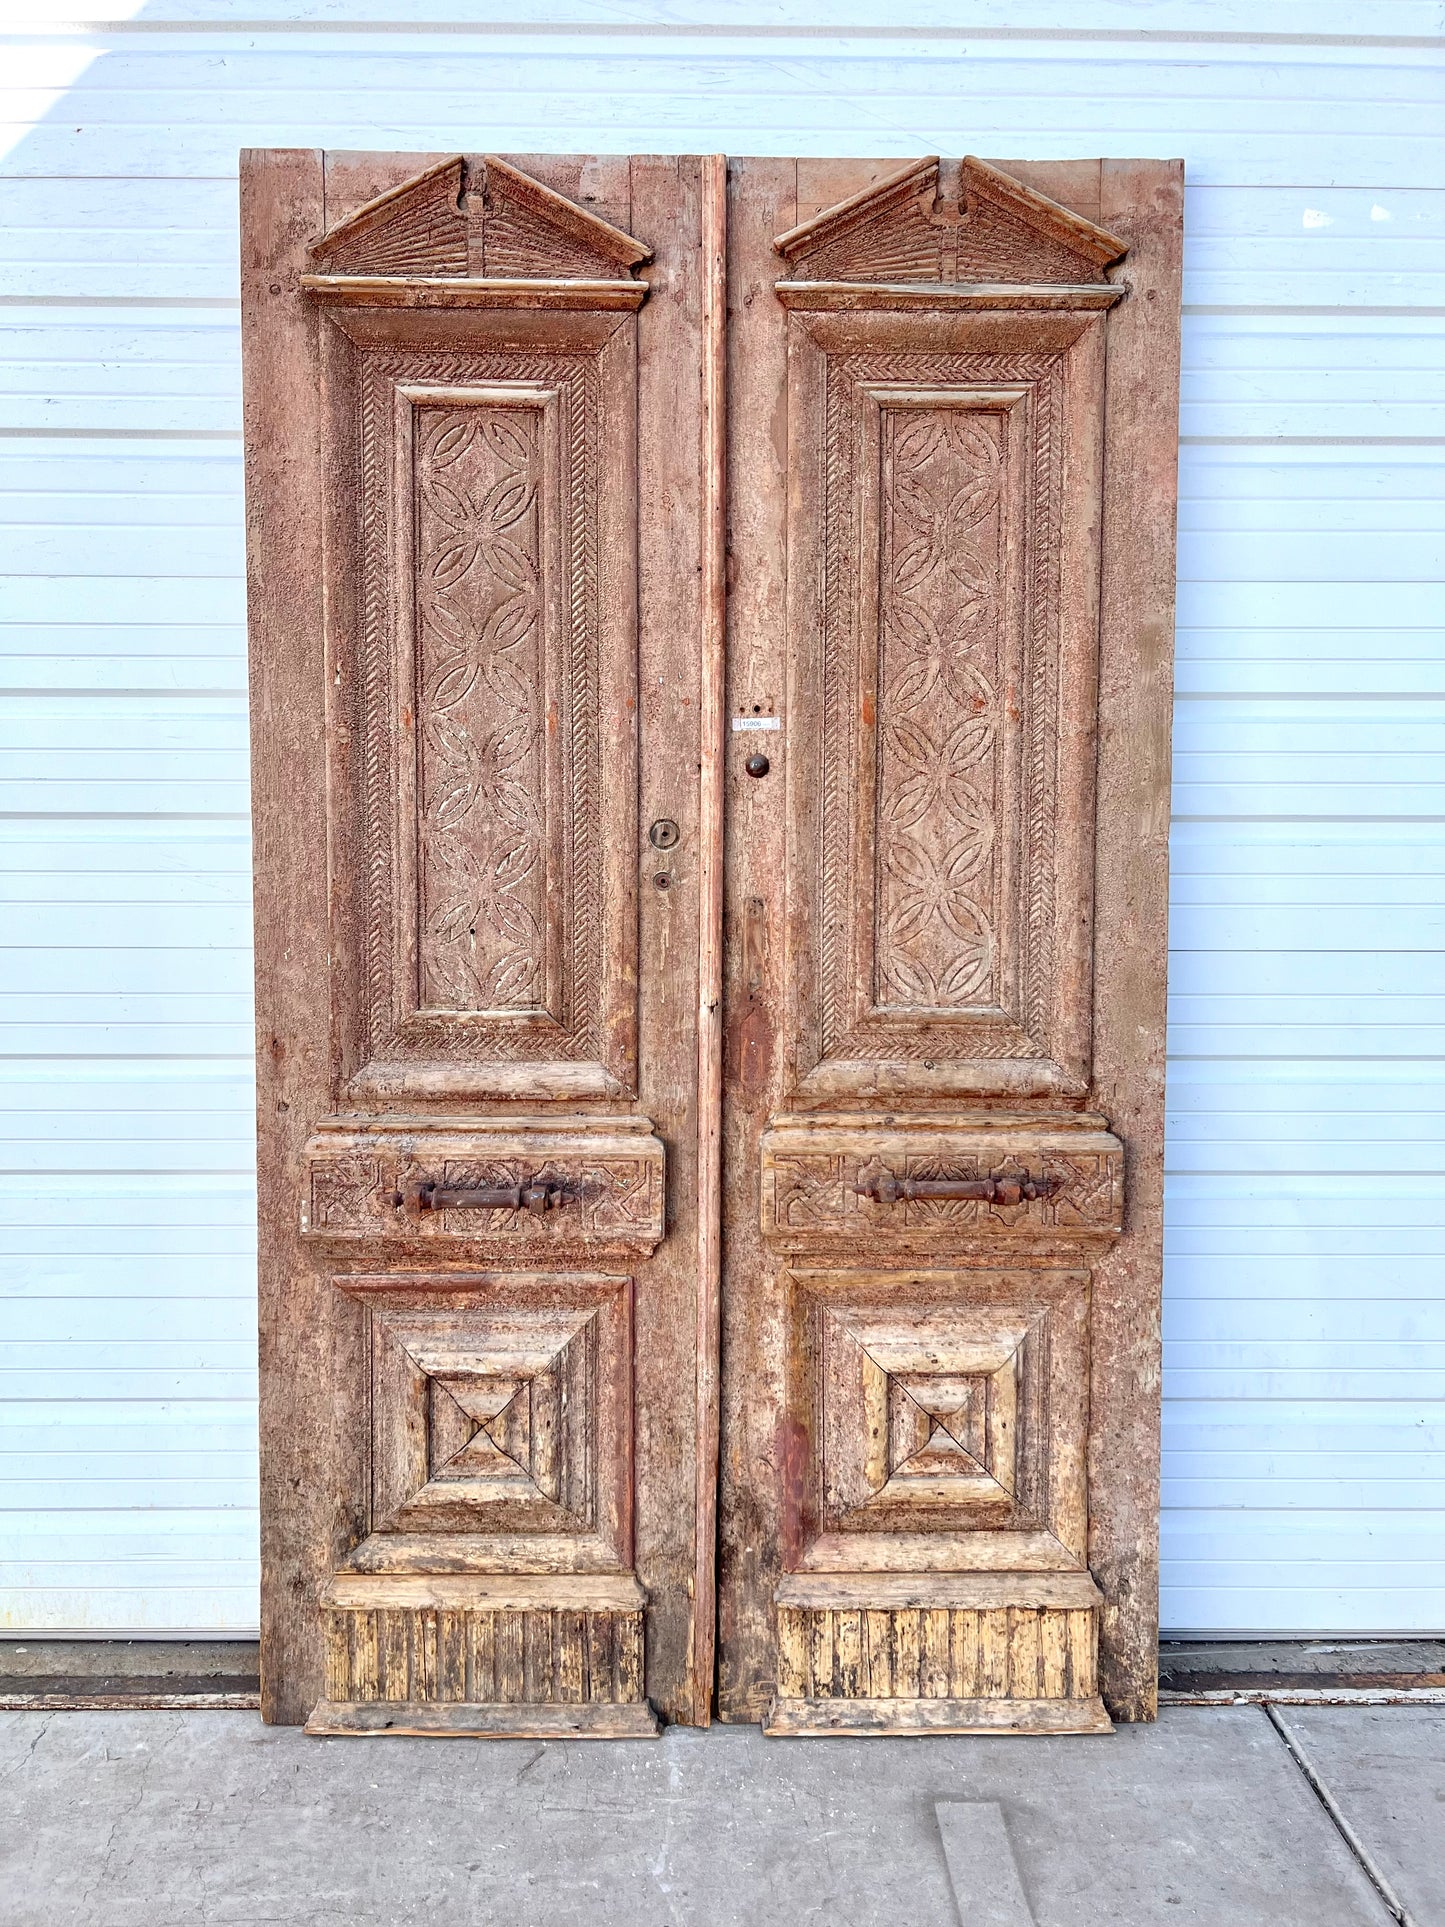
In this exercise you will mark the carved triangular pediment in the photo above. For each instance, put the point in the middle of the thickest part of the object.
(484, 218)
(419, 227)
(527, 229)
(904, 229)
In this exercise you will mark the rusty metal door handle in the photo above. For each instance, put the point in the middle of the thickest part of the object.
(884, 1188)
(535, 1195)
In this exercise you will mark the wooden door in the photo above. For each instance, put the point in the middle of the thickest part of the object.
(481, 589)
(952, 400)
(487, 407)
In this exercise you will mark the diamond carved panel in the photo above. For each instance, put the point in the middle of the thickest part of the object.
(944, 1418)
(508, 1401)
(939, 1412)
(500, 1422)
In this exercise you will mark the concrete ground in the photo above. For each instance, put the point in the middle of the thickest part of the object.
(1235, 1816)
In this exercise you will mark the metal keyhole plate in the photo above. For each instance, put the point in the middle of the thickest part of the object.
(664, 834)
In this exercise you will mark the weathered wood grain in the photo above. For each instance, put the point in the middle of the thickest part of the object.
(621, 1054)
(811, 1456)
(310, 1501)
(483, 1593)
(506, 1720)
(1144, 201)
(863, 1718)
(711, 789)
(762, 202)
(539, 1654)
(1025, 1669)
(667, 195)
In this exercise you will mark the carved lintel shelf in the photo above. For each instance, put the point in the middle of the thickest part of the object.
(370, 1178)
(438, 291)
(839, 297)
(829, 1178)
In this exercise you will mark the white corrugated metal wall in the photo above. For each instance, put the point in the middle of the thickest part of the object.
(1305, 1415)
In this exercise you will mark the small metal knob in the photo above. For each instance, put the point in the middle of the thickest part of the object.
(757, 764)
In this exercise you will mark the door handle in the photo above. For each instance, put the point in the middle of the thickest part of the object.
(533, 1194)
(875, 1181)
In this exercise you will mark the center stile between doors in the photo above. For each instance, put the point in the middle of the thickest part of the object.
(711, 634)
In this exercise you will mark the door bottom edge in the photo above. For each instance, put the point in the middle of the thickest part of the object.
(861, 1718)
(480, 1720)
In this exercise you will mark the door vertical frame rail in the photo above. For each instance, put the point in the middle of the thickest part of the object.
(710, 924)
(282, 198)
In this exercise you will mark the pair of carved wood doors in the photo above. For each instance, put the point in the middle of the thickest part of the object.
(711, 643)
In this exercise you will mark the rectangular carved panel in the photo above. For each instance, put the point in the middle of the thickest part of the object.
(943, 615)
(483, 631)
(482, 502)
(601, 1182)
(826, 1178)
(944, 524)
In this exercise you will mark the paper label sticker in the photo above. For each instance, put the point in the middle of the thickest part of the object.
(757, 722)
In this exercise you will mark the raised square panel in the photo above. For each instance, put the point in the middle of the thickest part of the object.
(938, 1406)
(944, 1416)
(485, 1420)
(500, 1430)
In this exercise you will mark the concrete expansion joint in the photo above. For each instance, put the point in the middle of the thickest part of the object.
(1372, 1871)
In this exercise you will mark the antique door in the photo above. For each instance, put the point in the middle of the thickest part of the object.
(565, 1161)
(481, 589)
(951, 504)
